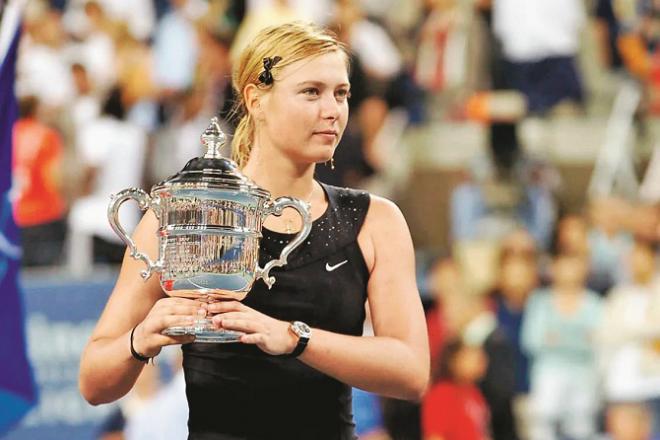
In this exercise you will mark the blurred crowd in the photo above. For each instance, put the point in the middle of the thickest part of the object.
(544, 322)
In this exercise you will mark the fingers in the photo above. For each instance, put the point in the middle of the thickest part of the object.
(174, 309)
(243, 325)
(227, 306)
(217, 319)
(175, 340)
(168, 321)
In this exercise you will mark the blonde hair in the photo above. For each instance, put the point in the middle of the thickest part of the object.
(292, 42)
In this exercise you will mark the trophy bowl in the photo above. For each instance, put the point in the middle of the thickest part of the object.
(210, 218)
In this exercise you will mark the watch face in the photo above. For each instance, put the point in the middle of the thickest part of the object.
(301, 329)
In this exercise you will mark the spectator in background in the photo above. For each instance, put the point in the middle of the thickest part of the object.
(96, 48)
(139, 16)
(367, 414)
(445, 283)
(176, 50)
(503, 197)
(42, 61)
(458, 313)
(175, 143)
(602, 241)
(639, 44)
(609, 243)
(135, 75)
(518, 277)
(540, 41)
(433, 68)
(86, 106)
(628, 421)
(630, 333)
(39, 207)
(558, 330)
(454, 408)
(609, 29)
(99, 145)
(572, 236)
(497, 385)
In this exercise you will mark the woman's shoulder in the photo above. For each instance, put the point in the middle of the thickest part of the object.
(384, 211)
(378, 208)
(344, 196)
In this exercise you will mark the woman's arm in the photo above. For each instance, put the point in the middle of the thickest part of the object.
(394, 362)
(107, 369)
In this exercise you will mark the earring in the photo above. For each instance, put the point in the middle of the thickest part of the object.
(332, 163)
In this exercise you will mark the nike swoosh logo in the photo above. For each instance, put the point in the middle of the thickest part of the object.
(336, 266)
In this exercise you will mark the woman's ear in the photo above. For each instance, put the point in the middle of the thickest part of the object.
(252, 97)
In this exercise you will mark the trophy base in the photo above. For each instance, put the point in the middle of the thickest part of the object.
(204, 331)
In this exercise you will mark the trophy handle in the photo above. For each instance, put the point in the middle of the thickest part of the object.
(145, 202)
(275, 208)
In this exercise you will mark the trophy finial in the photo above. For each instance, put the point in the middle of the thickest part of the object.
(213, 139)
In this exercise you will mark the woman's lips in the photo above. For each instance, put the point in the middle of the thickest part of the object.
(328, 135)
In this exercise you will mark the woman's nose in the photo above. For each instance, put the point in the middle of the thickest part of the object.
(330, 108)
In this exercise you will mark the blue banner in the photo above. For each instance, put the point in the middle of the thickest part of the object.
(17, 387)
(60, 315)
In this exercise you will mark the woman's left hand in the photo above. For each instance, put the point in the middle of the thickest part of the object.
(269, 334)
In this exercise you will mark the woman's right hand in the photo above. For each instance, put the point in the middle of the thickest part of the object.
(148, 339)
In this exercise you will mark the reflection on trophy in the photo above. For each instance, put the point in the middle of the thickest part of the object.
(210, 218)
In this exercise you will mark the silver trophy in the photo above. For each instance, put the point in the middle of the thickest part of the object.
(210, 219)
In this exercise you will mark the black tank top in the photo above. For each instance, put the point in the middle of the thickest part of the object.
(236, 391)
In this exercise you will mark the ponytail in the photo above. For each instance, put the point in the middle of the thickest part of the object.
(241, 143)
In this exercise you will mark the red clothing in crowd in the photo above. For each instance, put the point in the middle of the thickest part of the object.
(455, 412)
(37, 155)
(437, 333)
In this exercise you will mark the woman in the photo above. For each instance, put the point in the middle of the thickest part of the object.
(454, 408)
(293, 88)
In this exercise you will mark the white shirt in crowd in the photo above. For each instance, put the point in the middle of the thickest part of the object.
(117, 150)
(531, 30)
(629, 340)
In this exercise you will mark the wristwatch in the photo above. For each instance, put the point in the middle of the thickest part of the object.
(304, 332)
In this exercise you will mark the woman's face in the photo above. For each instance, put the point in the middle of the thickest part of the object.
(305, 113)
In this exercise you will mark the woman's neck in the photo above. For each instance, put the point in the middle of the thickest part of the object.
(279, 174)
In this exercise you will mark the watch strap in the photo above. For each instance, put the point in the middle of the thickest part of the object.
(300, 347)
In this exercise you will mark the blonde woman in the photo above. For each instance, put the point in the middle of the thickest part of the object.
(283, 380)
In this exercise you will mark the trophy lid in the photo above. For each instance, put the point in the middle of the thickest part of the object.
(212, 169)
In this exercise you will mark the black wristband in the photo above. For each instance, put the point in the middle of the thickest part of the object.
(134, 353)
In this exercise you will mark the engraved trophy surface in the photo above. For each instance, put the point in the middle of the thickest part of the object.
(210, 219)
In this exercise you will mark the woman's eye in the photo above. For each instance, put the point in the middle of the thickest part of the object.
(311, 92)
(343, 94)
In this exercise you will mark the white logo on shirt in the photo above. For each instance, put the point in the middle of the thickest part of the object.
(336, 266)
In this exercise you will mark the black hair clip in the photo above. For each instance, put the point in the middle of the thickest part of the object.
(266, 77)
